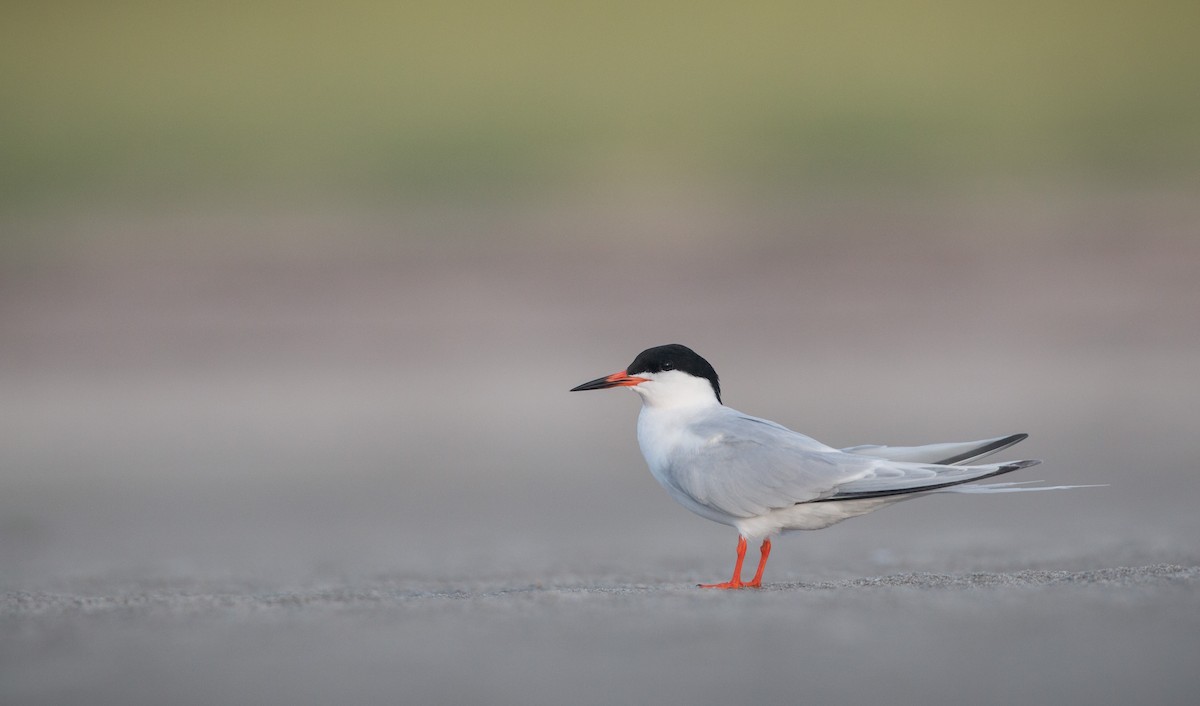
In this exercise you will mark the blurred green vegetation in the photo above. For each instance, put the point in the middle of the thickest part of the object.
(136, 102)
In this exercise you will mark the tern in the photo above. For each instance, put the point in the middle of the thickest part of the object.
(765, 479)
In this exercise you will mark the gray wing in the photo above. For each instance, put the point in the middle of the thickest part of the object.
(745, 466)
(952, 454)
(898, 478)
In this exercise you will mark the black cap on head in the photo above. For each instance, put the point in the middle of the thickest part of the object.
(675, 357)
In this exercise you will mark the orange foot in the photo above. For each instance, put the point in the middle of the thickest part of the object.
(730, 584)
(736, 581)
(727, 584)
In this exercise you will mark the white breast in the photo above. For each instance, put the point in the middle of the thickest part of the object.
(669, 445)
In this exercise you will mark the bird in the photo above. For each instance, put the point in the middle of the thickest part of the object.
(764, 479)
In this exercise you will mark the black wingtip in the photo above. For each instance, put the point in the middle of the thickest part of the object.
(984, 450)
(1001, 470)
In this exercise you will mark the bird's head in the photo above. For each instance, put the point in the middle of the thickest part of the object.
(666, 376)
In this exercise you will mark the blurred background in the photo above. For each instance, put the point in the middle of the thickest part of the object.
(279, 268)
(292, 291)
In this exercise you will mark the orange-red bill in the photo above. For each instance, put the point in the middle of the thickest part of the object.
(620, 379)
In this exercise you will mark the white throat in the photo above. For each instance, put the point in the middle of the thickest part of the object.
(672, 389)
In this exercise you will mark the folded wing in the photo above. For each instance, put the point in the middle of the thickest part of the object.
(743, 466)
(899, 478)
(952, 454)
(746, 467)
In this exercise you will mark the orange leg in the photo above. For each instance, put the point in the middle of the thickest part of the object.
(765, 551)
(736, 581)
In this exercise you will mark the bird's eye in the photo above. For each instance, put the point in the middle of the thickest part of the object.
(668, 366)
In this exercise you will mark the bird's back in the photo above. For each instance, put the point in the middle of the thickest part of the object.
(729, 466)
(737, 466)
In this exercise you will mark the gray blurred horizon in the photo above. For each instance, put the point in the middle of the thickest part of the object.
(193, 407)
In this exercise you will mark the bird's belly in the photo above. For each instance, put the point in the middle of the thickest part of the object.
(662, 468)
(690, 503)
(807, 516)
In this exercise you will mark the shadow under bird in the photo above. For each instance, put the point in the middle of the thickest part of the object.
(765, 479)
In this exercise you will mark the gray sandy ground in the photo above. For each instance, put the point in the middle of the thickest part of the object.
(1115, 635)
